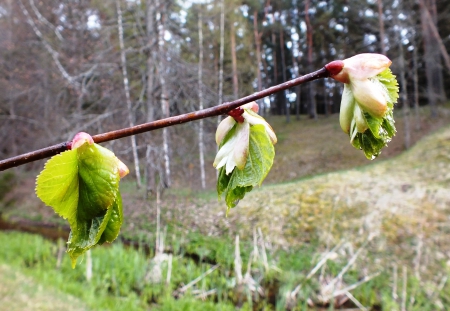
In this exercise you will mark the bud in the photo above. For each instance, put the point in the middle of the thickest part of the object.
(370, 91)
(359, 67)
(123, 169)
(254, 119)
(234, 152)
(224, 127)
(80, 138)
(359, 73)
(251, 106)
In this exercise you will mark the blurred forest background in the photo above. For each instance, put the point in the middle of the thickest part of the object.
(326, 233)
(96, 66)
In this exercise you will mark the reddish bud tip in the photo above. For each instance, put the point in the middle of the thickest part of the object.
(253, 106)
(123, 169)
(236, 114)
(79, 139)
(335, 67)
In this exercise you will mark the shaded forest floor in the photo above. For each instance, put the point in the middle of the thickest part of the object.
(390, 215)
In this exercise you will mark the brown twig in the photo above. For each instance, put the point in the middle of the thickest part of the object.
(146, 127)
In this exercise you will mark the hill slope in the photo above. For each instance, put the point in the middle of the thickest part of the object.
(400, 205)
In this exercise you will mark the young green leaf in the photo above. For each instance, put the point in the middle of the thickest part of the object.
(57, 185)
(114, 223)
(380, 130)
(86, 235)
(261, 153)
(82, 186)
(370, 92)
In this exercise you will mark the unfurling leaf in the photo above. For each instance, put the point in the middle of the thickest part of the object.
(380, 130)
(245, 155)
(82, 186)
(370, 92)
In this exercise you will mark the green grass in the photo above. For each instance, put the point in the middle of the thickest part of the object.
(20, 292)
(28, 269)
(119, 279)
(37, 258)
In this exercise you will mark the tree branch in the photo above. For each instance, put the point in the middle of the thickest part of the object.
(436, 35)
(47, 46)
(151, 126)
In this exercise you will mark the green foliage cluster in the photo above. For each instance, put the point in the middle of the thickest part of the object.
(82, 186)
(381, 130)
(261, 153)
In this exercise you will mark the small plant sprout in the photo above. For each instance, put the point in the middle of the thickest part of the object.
(370, 92)
(245, 154)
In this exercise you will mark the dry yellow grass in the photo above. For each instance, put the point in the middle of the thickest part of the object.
(402, 205)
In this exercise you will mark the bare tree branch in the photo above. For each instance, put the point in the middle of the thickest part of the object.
(126, 87)
(151, 126)
(436, 35)
(43, 20)
(50, 50)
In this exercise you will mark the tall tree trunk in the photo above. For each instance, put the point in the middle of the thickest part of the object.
(416, 87)
(258, 53)
(267, 80)
(126, 87)
(221, 57)
(200, 100)
(437, 37)
(297, 88)
(150, 28)
(159, 248)
(297, 102)
(283, 66)
(221, 52)
(234, 61)
(164, 94)
(9, 91)
(151, 57)
(309, 33)
(275, 68)
(403, 84)
(432, 57)
(381, 26)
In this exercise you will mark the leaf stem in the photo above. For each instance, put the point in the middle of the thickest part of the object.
(150, 126)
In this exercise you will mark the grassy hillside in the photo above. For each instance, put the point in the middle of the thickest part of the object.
(403, 186)
(388, 218)
(310, 147)
(411, 188)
